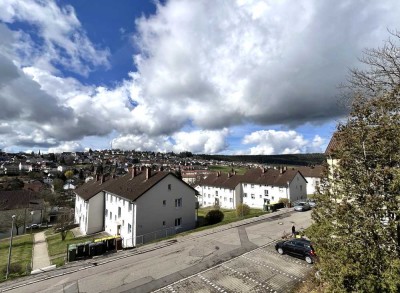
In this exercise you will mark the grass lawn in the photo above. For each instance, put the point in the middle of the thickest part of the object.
(226, 169)
(56, 246)
(58, 261)
(21, 255)
(229, 217)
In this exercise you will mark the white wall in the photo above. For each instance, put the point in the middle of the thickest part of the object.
(312, 183)
(298, 188)
(95, 215)
(153, 215)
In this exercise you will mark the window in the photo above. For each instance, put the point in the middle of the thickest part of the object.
(273, 198)
(253, 196)
(224, 198)
(106, 213)
(178, 222)
(209, 195)
(129, 228)
(123, 223)
(301, 187)
(130, 206)
(252, 186)
(260, 196)
(245, 195)
(230, 200)
(178, 202)
(110, 215)
(123, 203)
(119, 212)
(163, 223)
(164, 202)
(115, 217)
(169, 187)
(266, 192)
(106, 196)
(216, 193)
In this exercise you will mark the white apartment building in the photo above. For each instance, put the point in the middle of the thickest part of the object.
(256, 188)
(136, 205)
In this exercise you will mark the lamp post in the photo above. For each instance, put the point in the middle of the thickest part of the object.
(32, 212)
(9, 250)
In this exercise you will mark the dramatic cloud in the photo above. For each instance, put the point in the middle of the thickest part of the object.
(210, 142)
(70, 146)
(204, 65)
(272, 142)
(61, 40)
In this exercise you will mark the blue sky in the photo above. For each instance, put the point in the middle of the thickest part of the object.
(230, 77)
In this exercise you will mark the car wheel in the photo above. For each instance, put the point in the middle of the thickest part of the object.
(280, 250)
(309, 259)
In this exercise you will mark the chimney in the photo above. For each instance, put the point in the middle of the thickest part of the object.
(280, 170)
(97, 177)
(113, 176)
(218, 173)
(234, 172)
(229, 174)
(263, 170)
(133, 172)
(103, 177)
(148, 173)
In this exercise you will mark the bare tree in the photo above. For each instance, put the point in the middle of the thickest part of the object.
(64, 221)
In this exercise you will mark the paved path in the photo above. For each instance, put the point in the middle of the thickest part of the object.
(40, 254)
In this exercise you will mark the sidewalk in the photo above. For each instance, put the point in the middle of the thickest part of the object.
(40, 257)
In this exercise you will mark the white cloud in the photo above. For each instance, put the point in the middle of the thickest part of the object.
(198, 141)
(69, 146)
(272, 142)
(63, 42)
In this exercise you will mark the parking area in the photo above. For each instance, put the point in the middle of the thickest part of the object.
(261, 270)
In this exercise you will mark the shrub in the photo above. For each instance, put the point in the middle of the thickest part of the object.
(15, 268)
(214, 216)
(242, 210)
(285, 201)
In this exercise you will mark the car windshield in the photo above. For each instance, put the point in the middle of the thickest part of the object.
(300, 204)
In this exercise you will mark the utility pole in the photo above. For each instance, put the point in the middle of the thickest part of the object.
(9, 250)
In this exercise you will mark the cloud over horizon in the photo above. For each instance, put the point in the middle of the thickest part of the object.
(198, 71)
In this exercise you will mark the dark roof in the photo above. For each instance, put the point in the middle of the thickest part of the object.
(126, 186)
(19, 199)
(313, 171)
(93, 187)
(221, 180)
(133, 188)
(259, 176)
(272, 177)
(333, 144)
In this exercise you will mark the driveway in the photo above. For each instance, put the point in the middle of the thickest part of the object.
(190, 257)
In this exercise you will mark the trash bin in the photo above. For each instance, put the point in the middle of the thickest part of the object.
(92, 249)
(80, 247)
(110, 244)
(119, 243)
(86, 251)
(100, 249)
(71, 253)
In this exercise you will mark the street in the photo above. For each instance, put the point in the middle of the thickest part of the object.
(218, 256)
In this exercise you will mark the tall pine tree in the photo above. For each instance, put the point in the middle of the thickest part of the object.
(357, 221)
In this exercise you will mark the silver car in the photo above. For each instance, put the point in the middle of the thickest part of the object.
(302, 206)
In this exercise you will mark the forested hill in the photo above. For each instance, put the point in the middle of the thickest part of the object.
(296, 159)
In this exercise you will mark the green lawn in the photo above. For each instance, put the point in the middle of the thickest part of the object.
(226, 169)
(58, 261)
(21, 256)
(56, 246)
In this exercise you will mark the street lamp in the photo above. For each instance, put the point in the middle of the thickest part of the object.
(9, 250)
(32, 212)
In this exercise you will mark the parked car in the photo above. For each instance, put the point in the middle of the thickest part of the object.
(302, 206)
(33, 226)
(300, 248)
(311, 202)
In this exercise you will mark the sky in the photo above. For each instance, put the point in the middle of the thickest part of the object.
(216, 77)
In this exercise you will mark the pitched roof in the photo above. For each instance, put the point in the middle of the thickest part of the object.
(19, 199)
(333, 145)
(221, 180)
(259, 176)
(272, 177)
(313, 171)
(133, 187)
(93, 187)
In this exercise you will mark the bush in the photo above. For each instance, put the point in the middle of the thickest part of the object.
(242, 210)
(214, 216)
(285, 201)
(15, 268)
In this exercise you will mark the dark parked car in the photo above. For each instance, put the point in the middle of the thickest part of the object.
(302, 206)
(300, 248)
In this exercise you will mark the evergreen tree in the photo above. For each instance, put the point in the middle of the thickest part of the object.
(356, 222)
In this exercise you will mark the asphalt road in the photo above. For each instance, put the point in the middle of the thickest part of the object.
(200, 262)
